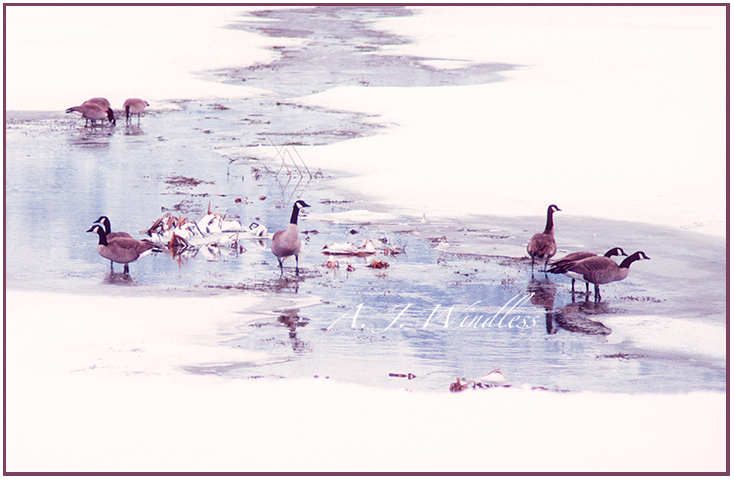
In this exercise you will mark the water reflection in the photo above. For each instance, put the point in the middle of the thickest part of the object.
(91, 137)
(292, 321)
(131, 129)
(574, 317)
(113, 278)
(542, 293)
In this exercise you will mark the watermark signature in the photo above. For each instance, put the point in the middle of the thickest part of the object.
(474, 316)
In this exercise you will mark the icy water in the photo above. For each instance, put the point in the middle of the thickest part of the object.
(457, 299)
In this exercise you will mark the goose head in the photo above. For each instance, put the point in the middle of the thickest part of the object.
(301, 204)
(616, 251)
(111, 116)
(633, 258)
(99, 230)
(105, 222)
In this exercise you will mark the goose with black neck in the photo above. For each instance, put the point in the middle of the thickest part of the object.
(286, 242)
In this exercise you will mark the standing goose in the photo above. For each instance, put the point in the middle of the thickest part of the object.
(286, 242)
(123, 250)
(134, 106)
(561, 265)
(602, 270)
(93, 112)
(543, 245)
(105, 222)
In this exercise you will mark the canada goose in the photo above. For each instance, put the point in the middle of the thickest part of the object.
(601, 270)
(286, 242)
(101, 101)
(134, 106)
(105, 222)
(543, 245)
(104, 103)
(561, 265)
(93, 112)
(123, 250)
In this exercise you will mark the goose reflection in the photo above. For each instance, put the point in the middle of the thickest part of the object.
(113, 278)
(131, 129)
(292, 321)
(542, 293)
(92, 138)
(577, 317)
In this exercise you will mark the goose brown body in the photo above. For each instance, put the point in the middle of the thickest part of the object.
(286, 243)
(101, 101)
(123, 250)
(562, 265)
(93, 112)
(105, 222)
(603, 270)
(134, 106)
(543, 245)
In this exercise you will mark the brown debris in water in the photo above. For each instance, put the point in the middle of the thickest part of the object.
(180, 180)
(375, 263)
(458, 386)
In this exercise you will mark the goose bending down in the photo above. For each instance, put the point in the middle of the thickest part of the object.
(101, 101)
(543, 245)
(286, 242)
(134, 106)
(105, 222)
(123, 250)
(105, 104)
(93, 112)
(602, 270)
(561, 265)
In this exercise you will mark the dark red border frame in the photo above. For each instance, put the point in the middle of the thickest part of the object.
(448, 473)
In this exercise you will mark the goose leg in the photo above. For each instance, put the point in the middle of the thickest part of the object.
(597, 294)
(127, 269)
(280, 262)
(296, 264)
(573, 283)
(112, 268)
